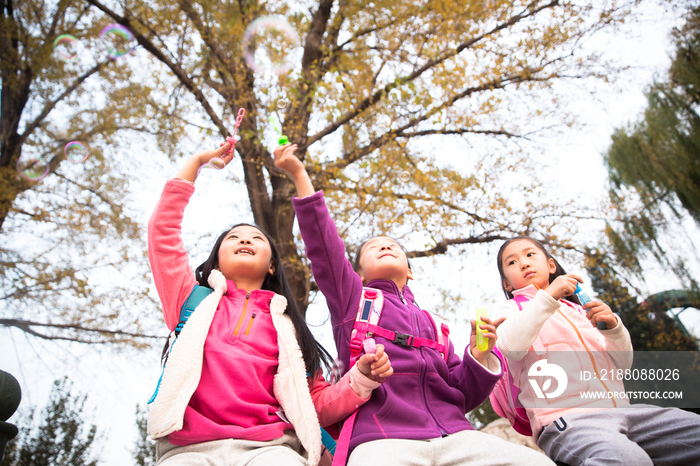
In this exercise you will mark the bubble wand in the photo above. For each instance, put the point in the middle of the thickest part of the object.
(281, 138)
(585, 299)
(218, 162)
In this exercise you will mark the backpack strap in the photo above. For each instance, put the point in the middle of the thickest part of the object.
(366, 325)
(368, 314)
(519, 300)
(196, 296)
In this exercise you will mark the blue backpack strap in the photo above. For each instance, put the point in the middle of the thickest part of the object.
(196, 296)
(328, 441)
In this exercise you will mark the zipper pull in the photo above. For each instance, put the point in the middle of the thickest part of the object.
(250, 323)
(401, 296)
(247, 296)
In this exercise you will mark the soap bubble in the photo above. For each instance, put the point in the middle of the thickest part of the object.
(336, 371)
(75, 151)
(405, 176)
(66, 47)
(282, 103)
(271, 43)
(217, 163)
(32, 167)
(118, 40)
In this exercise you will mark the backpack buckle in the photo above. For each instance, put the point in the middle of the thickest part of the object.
(403, 339)
(355, 347)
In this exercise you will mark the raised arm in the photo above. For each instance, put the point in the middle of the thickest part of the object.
(333, 273)
(169, 261)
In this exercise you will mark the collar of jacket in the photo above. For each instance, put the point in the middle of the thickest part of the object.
(529, 291)
(388, 286)
(184, 369)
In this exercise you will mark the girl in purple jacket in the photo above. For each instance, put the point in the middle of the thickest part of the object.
(418, 416)
(236, 388)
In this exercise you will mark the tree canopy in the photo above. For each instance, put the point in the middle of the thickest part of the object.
(408, 115)
(61, 233)
(379, 87)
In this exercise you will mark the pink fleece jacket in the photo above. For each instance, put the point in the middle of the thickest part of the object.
(559, 331)
(234, 398)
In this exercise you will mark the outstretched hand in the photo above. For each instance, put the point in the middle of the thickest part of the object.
(190, 169)
(222, 152)
(287, 161)
(490, 327)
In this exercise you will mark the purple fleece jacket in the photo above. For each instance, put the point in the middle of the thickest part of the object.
(426, 397)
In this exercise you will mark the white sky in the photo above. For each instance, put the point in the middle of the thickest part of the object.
(117, 381)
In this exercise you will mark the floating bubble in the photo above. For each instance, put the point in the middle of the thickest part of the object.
(336, 371)
(271, 43)
(66, 47)
(405, 176)
(118, 40)
(282, 103)
(32, 167)
(75, 151)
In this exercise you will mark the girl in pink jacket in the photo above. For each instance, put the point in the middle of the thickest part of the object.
(234, 389)
(547, 333)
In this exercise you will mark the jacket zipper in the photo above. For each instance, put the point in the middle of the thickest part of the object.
(595, 368)
(423, 374)
(250, 323)
(240, 321)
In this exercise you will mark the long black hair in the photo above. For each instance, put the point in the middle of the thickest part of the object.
(315, 355)
(558, 272)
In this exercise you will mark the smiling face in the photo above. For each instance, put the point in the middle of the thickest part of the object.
(525, 264)
(245, 255)
(383, 258)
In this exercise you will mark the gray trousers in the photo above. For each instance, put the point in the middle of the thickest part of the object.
(467, 447)
(230, 452)
(639, 435)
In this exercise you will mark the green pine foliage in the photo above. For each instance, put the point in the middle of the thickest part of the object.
(144, 452)
(649, 325)
(60, 438)
(654, 165)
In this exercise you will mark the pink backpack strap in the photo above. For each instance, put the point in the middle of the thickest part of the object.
(519, 300)
(442, 332)
(366, 325)
(340, 457)
(368, 314)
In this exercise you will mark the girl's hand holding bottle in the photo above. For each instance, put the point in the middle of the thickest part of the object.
(489, 327)
(191, 168)
(563, 285)
(287, 161)
(375, 366)
(598, 311)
